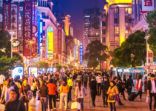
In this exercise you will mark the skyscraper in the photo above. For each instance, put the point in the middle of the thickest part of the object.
(94, 27)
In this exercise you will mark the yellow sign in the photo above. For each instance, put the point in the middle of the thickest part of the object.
(111, 2)
(50, 43)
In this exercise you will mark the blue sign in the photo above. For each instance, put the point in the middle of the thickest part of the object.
(81, 54)
(17, 72)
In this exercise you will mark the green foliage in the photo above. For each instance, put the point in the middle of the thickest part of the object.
(5, 43)
(6, 63)
(131, 52)
(151, 20)
(42, 64)
(95, 53)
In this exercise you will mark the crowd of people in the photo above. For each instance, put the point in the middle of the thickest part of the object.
(58, 91)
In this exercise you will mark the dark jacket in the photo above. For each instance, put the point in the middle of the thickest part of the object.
(17, 105)
(43, 91)
(149, 85)
(105, 86)
(93, 86)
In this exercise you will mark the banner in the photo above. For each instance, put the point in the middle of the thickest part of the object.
(50, 42)
(27, 28)
(147, 5)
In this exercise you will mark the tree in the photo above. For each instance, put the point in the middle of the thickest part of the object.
(132, 52)
(6, 63)
(5, 44)
(95, 53)
(151, 20)
(42, 64)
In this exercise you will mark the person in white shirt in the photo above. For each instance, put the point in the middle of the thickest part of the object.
(80, 93)
(99, 81)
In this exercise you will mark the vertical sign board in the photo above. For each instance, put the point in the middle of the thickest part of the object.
(40, 30)
(50, 42)
(81, 54)
(27, 27)
(147, 5)
(6, 14)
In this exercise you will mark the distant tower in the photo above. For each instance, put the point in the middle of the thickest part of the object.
(67, 24)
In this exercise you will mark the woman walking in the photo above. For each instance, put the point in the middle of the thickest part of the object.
(112, 92)
(79, 94)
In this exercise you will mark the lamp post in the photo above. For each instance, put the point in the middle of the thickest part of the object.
(147, 49)
(12, 34)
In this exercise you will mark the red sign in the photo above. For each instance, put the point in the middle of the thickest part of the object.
(27, 28)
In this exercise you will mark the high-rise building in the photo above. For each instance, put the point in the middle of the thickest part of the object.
(94, 26)
(119, 22)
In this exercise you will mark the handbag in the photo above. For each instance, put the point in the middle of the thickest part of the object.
(111, 98)
(75, 105)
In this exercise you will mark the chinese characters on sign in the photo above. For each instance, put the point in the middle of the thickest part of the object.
(147, 5)
(27, 26)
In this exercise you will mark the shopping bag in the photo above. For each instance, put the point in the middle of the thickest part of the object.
(76, 105)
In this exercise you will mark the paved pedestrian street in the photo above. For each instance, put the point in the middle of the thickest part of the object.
(136, 105)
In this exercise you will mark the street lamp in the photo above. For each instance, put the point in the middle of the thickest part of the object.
(147, 49)
(12, 34)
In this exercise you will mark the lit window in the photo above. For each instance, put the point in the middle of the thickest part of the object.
(128, 10)
(116, 30)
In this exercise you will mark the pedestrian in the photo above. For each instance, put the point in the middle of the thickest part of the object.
(129, 85)
(105, 86)
(70, 84)
(52, 88)
(139, 85)
(93, 90)
(112, 92)
(99, 81)
(14, 103)
(80, 93)
(64, 89)
(43, 95)
(151, 91)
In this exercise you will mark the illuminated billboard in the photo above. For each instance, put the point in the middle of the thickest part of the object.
(17, 72)
(147, 5)
(111, 2)
(50, 42)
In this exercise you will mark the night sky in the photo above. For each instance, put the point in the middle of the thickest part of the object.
(75, 8)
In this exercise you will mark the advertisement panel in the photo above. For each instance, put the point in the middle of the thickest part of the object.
(147, 5)
(27, 27)
(110, 2)
(17, 72)
(81, 54)
(50, 41)
(33, 71)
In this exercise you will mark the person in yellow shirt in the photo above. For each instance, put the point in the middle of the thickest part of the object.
(64, 89)
(70, 84)
(112, 92)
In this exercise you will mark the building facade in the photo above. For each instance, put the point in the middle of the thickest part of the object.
(119, 22)
(33, 23)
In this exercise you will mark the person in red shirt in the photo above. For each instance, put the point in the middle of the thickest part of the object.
(139, 85)
(52, 88)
